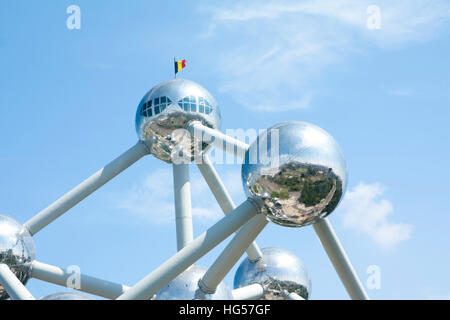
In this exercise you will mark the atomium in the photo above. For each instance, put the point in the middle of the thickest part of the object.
(66, 296)
(277, 271)
(17, 250)
(185, 287)
(295, 174)
(164, 112)
(298, 170)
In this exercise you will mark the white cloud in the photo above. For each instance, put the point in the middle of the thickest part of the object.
(271, 51)
(153, 200)
(364, 211)
(150, 199)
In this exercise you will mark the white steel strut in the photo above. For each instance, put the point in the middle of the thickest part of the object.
(244, 219)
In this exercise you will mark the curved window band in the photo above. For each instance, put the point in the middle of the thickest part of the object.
(159, 104)
(188, 103)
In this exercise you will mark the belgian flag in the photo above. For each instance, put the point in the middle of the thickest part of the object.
(179, 65)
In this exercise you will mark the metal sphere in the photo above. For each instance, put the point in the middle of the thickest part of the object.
(298, 170)
(66, 296)
(17, 250)
(169, 106)
(185, 287)
(278, 271)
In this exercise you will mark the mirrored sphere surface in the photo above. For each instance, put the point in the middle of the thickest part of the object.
(17, 249)
(164, 112)
(185, 287)
(277, 271)
(66, 296)
(298, 170)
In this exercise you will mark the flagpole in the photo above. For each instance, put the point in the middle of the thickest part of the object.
(174, 61)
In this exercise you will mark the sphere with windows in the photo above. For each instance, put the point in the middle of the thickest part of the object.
(164, 112)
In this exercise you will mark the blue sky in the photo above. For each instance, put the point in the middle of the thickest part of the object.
(68, 100)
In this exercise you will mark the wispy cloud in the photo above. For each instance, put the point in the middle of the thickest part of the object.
(152, 199)
(270, 51)
(363, 210)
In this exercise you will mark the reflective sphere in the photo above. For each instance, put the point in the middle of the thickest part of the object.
(185, 287)
(278, 271)
(66, 296)
(17, 250)
(298, 170)
(169, 106)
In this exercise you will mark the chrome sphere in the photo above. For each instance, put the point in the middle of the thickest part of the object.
(278, 271)
(66, 296)
(17, 250)
(185, 287)
(169, 106)
(298, 170)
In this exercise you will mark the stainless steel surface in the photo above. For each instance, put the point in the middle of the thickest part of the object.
(15, 289)
(278, 271)
(66, 296)
(17, 250)
(223, 198)
(185, 287)
(230, 145)
(187, 256)
(232, 252)
(298, 170)
(163, 123)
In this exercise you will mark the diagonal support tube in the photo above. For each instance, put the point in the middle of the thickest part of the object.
(250, 292)
(217, 139)
(12, 285)
(339, 259)
(84, 189)
(224, 200)
(292, 296)
(183, 208)
(231, 254)
(184, 258)
(89, 284)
